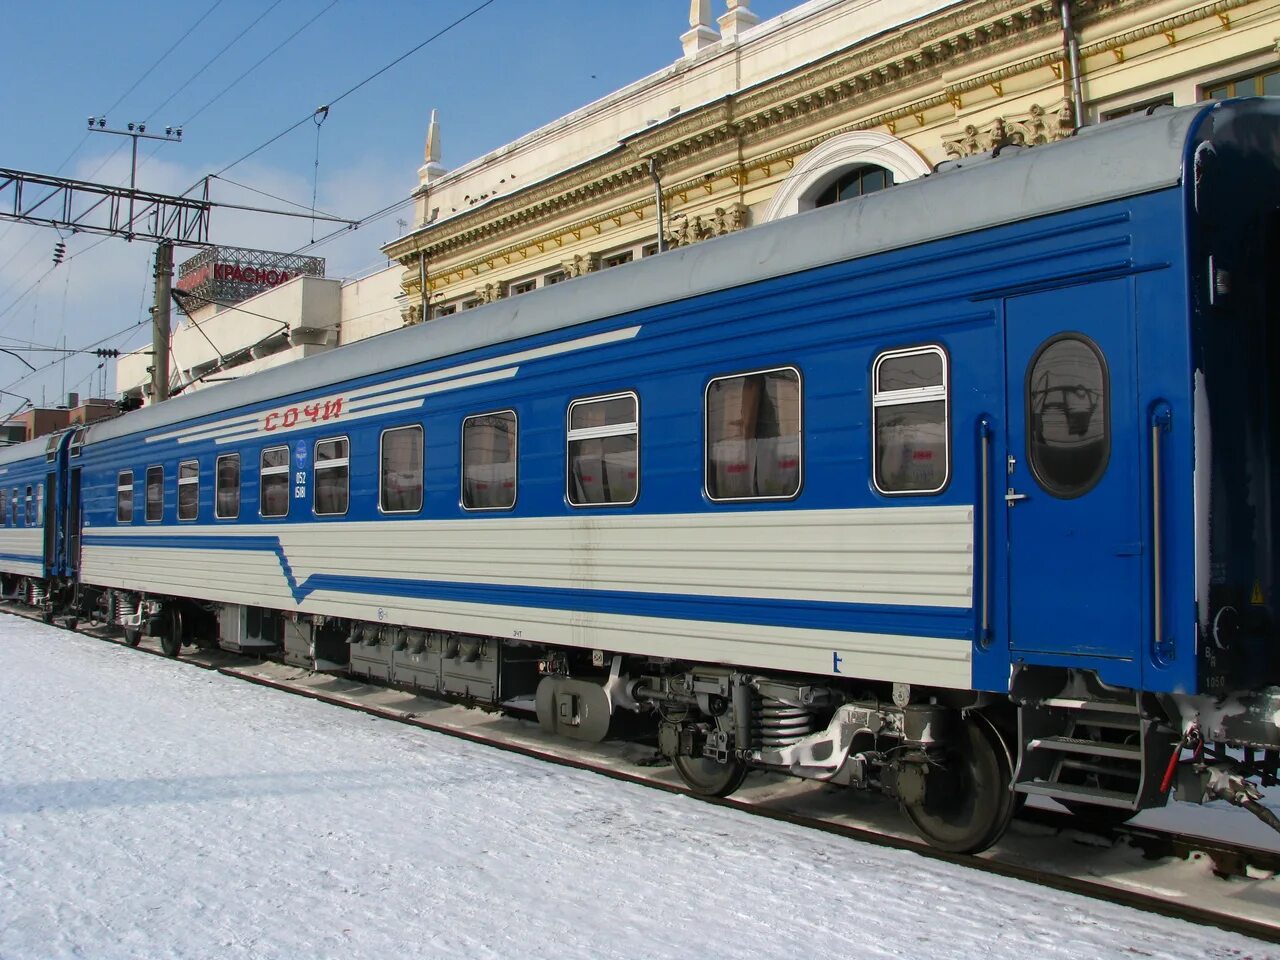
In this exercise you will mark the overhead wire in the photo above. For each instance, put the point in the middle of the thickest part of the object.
(371, 77)
(211, 61)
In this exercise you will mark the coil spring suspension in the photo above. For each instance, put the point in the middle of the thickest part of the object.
(112, 612)
(35, 593)
(779, 724)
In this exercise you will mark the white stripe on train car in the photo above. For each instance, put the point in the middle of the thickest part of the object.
(371, 398)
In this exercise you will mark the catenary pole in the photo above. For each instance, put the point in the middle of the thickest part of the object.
(160, 323)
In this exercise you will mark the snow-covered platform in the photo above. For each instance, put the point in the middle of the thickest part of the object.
(149, 808)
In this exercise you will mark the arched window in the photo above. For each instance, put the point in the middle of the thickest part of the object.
(857, 182)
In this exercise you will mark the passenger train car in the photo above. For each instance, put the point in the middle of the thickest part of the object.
(965, 490)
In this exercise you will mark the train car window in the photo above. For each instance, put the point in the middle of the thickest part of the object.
(40, 505)
(155, 494)
(332, 476)
(400, 479)
(226, 487)
(911, 433)
(188, 489)
(604, 450)
(17, 507)
(124, 497)
(30, 507)
(1068, 432)
(4, 507)
(489, 461)
(77, 442)
(753, 435)
(273, 476)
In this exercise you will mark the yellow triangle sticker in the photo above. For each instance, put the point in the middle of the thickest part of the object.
(1256, 598)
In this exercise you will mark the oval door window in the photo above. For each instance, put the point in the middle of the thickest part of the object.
(1068, 416)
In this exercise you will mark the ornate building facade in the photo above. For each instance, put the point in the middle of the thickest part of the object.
(762, 120)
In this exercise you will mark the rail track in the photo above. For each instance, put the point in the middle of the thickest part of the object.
(1207, 881)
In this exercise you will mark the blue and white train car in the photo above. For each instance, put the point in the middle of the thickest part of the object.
(30, 533)
(967, 483)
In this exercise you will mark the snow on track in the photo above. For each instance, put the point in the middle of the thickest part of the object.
(152, 809)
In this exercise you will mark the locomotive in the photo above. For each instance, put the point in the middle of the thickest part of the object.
(964, 491)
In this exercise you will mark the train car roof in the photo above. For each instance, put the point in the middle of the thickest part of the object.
(27, 449)
(1113, 160)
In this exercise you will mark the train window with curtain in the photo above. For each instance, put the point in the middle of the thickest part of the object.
(332, 477)
(17, 506)
(753, 435)
(489, 461)
(226, 487)
(273, 482)
(1068, 435)
(124, 497)
(155, 494)
(31, 507)
(911, 434)
(400, 478)
(604, 450)
(188, 489)
(40, 505)
(4, 507)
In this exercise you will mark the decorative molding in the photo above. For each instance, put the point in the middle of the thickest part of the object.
(1037, 126)
(685, 230)
(837, 155)
(581, 264)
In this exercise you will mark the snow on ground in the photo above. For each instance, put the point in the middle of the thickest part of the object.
(152, 809)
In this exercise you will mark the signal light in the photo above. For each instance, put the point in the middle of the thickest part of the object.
(59, 252)
(106, 353)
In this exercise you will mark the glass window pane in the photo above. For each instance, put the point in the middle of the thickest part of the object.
(401, 473)
(155, 493)
(333, 474)
(40, 505)
(753, 436)
(188, 490)
(1068, 440)
(31, 507)
(909, 372)
(1270, 83)
(273, 493)
(228, 487)
(489, 461)
(600, 413)
(124, 497)
(603, 470)
(911, 447)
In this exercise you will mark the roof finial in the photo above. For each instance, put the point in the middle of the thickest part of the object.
(431, 167)
(700, 34)
(738, 19)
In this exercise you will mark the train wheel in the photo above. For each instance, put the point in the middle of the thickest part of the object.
(710, 778)
(132, 636)
(171, 639)
(967, 802)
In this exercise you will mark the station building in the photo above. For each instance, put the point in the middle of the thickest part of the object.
(753, 121)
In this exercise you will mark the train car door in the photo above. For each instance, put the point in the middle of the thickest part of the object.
(49, 520)
(1072, 487)
(71, 563)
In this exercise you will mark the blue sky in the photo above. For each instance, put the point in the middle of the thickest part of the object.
(508, 69)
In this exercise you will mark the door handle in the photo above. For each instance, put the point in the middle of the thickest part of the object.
(1011, 497)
